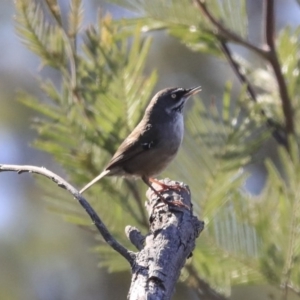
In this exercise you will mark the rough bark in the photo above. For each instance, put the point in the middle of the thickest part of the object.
(163, 252)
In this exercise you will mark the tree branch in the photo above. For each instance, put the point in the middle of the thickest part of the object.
(274, 62)
(225, 32)
(269, 23)
(236, 69)
(278, 132)
(128, 255)
(163, 252)
(135, 237)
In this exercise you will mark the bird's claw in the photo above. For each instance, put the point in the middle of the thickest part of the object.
(166, 187)
(177, 203)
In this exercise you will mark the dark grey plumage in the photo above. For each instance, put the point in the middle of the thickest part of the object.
(155, 141)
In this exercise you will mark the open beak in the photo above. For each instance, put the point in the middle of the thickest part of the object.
(192, 91)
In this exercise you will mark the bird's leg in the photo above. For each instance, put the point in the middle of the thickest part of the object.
(158, 193)
(147, 181)
(165, 187)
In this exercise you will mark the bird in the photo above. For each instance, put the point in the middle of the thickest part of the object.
(154, 142)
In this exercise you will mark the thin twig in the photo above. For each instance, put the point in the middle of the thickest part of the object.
(225, 32)
(128, 255)
(274, 62)
(236, 68)
(269, 23)
(279, 133)
(277, 130)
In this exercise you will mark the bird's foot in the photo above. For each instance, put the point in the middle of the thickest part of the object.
(166, 187)
(177, 203)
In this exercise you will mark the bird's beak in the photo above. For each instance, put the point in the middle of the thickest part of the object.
(192, 91)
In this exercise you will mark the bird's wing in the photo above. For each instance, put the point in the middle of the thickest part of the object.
(136, 143)
(139, 141)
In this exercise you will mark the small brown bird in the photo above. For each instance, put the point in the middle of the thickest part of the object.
(154, 142)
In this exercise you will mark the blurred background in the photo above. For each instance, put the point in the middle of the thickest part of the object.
(42, 257)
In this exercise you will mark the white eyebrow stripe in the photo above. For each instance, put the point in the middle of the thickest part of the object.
(177, 90)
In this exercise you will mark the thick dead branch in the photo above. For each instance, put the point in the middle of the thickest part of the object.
(163, 252)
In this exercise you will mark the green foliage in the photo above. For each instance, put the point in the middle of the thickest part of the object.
(221, 144)
(275, 215)
(81, 125)
(288, 51)
(184, 22)
(215, 153)
(178, 18)
(103, 92)
(41, 37)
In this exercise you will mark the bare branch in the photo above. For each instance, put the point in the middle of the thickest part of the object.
(225, 33)
(163, 252)
(273, 60)
(277, 131)
(269, 23)
(236, 68)
(128, 255)
(135, 237)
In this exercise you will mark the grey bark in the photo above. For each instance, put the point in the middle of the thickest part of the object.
(163, 252)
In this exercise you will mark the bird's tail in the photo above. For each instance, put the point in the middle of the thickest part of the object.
(105, 172)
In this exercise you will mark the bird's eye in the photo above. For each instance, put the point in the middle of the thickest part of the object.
(173, 96)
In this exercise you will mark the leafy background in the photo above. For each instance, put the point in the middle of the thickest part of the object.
(43, 257)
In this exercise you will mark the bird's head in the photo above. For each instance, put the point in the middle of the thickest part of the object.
(171, 100)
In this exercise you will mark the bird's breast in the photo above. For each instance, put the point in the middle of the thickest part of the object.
(170, 140)
(173, 133)
(166, 143)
